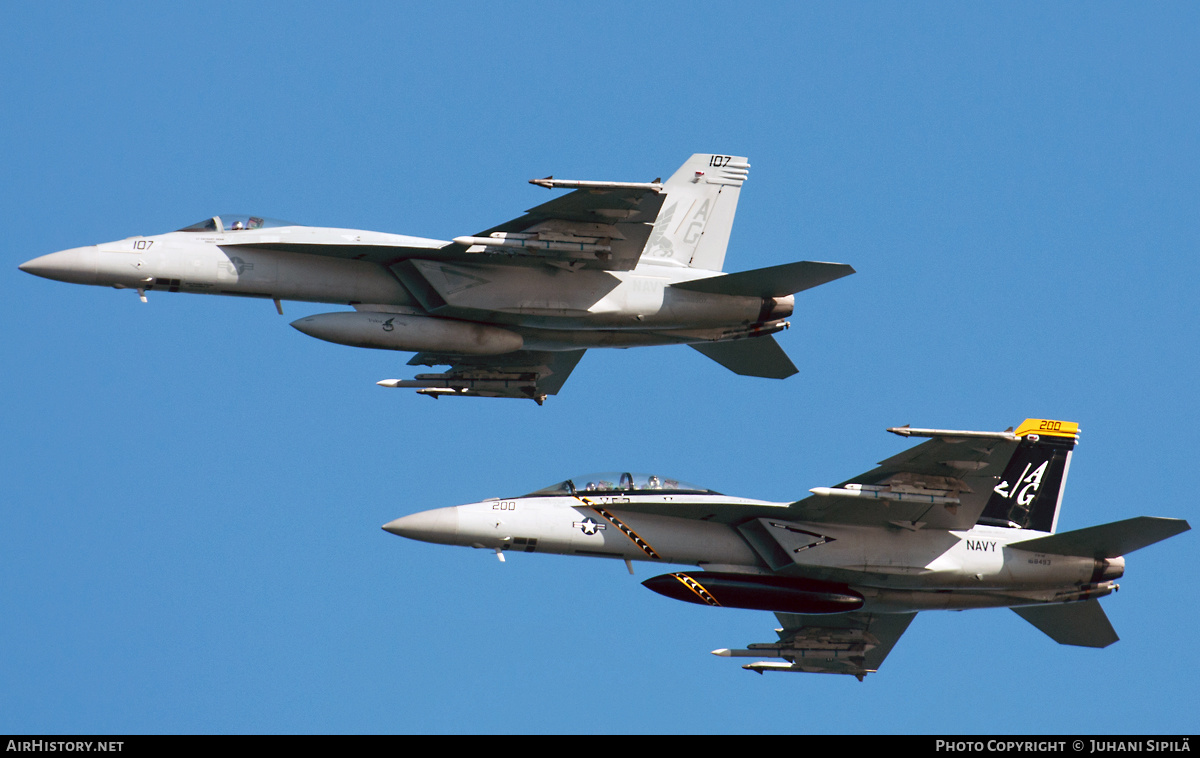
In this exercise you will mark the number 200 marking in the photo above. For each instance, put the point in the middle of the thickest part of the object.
(504, 505)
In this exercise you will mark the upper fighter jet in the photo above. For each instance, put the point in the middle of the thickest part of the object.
(510, 309)
(964, 520)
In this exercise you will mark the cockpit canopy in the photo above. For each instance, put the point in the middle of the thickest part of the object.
(234, 222)
(617, 482)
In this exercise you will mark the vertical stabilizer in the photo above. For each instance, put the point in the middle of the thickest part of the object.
(697, 215)
(1030, 490)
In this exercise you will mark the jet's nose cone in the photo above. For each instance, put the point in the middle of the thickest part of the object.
(77, 265)
(439, 525)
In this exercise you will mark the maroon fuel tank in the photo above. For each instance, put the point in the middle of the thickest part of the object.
(757, 592)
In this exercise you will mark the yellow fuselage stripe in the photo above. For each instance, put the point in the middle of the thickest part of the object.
(622, 528)
(697, 588)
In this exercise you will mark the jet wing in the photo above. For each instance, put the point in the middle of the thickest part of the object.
(943, 483)
(948, 482)
(841, 643)
(529, 374)
(604, 225)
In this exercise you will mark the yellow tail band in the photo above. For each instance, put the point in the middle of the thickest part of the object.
(1043, 427)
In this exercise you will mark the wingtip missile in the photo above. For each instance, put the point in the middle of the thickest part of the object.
(551, 183)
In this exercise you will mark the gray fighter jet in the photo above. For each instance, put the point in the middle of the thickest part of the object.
(510, 309)
(964, 520)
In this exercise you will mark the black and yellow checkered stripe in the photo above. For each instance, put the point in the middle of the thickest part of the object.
(687, 581)
(622, 527)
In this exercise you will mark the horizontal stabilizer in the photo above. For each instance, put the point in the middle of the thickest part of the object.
(1083, 624)
(1107, 540)
(772, 281)
(756, 356)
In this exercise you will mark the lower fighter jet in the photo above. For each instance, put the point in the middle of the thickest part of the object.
(511, 309)
(964, 520)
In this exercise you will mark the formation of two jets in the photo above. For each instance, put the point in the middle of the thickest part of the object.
(511, 309)
(965, 520)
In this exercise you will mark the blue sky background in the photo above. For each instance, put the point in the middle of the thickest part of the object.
(192, 490)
